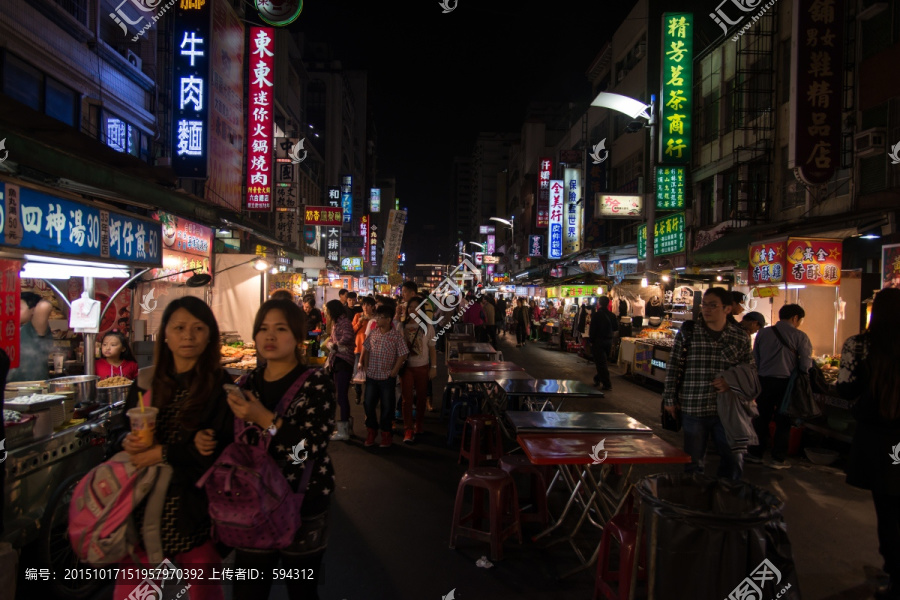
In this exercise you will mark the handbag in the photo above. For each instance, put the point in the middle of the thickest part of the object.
(798, 402)
(669, 422)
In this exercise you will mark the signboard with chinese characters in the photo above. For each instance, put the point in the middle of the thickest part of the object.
(190, 90)
(10, 291)
(543, 195)
(334, 196)
(676, 104)
(767, 260)
(479, 258)
(286, 196)
(364, 234)
(579, 291)
(618, 269)
(64, 227)
(347, 197)
(287, 226)
(259, 119)
(535, 243)
(374, 200)
(373, 243)
(485, 229)
(181, 235)
(817, 69)
(491, 260)
(396, 224)
(491, 245)
(619, 206)
(890, 266)
(353, 264)
(669, 188)
(322, 215)
(813, 261)
(572, 223)
(333, 244)
(555, 230)
(668, 236)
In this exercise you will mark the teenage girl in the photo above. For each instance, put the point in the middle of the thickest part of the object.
(117, 359)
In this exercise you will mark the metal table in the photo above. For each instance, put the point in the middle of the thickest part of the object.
(461, 366)
(543, 391)
(488, 376)
(526, 421)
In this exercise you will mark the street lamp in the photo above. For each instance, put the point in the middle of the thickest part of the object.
(512, 234)
(479, 245)
(634, 109)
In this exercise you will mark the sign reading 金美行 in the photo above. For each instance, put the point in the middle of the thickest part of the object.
(347, 197)
(322, 215)
(190, 91)
(812, 261)
(572, 225)
(555, 230)
(767, 262)
(543, 195)
(668, 236)
(817, 62)
(259, 119)
(669, 188)
(676, 103)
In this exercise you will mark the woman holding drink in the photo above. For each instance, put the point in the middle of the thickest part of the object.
(183, 399)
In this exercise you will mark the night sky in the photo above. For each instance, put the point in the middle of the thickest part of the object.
(437, 79)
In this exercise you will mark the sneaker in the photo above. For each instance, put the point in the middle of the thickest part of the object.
(370, 438)
(385, 439)
(750, 458)
(778, 464)
(409, 437)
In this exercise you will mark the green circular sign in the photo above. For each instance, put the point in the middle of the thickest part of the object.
(279, 12)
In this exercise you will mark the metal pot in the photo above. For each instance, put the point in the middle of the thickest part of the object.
(84, 386)
(112, 394)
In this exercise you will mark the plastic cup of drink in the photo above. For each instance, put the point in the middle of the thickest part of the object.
(143, 423)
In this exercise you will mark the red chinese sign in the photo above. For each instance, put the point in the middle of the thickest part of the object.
(814, 262)
(259, 119)
(9, 309)
(364, 233)
(323, 215)
(543, 198)
(767, 263)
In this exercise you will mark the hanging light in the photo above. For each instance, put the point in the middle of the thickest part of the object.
(260, 265)
(644, 282)
(718, 278)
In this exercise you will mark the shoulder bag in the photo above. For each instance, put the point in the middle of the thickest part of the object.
(669, 422)
(798, 402)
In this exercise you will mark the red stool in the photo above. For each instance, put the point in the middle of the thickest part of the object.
(517, 463)
(483, 430)
(623, 528)
(502, 502)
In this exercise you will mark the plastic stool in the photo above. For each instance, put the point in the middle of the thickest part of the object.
(517, 463)
(461, 409)
(483, 431)
(622, 527)
(502, 502)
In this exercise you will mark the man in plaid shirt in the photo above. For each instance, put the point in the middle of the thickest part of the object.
(714, 345)
(384, 352)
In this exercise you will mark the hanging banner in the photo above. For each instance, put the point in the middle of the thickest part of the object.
(890, 266)
(676, 106)
(669, 188)
(259, 119)
(190, 90)
(767, 262)
(543, 195)
(555, 230)
(817, 58)
(668, 236)
(396, 224)
(10, 292)
(813, 261)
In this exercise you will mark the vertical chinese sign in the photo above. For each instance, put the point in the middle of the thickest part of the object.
(347, 197)
(9, 309)
(534, 245)
(259, 119)
(364, 234)
(190, 113)
(573, 211)
(817, 56)
(669, 188)
(286, 194)
(396, 224)
(555, 232)
(677, 103)
(543, 195)
(373, 243)
(374, 200)
(668, 236)
(890, 266)
(814, 261)
(490, 247)
(767, 261)
(330, 220)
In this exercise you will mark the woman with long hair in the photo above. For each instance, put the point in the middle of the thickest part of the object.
(870, 375)
(278, 330)
(185, 385)
(421, 367)
(341, 344)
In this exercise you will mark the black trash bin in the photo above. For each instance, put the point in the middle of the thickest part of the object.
(715, 539)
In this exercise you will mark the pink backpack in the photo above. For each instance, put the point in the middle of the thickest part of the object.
(250, 502)
(101, 528)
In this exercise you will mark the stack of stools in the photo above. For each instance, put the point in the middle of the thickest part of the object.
(503, 509)
(484, 441)
(538, 478)
(622, 528)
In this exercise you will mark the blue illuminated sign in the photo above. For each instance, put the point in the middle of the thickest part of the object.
(347, 197)
(190, 91)
(556, 240)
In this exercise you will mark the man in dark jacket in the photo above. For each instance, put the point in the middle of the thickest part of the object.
(603, 327)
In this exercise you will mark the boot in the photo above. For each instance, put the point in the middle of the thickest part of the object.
(370, 438)
(342, 432)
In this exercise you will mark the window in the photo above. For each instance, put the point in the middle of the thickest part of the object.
(872, 173)
(76, 8)
(729, 194)
(28, 85)
(710, 119)
(707, 202)
(61, 102)
(875, 35)
(729, 98)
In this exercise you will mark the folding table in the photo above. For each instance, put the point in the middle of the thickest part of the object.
(542, 392)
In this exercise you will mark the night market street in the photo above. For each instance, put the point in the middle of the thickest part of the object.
(391, 519)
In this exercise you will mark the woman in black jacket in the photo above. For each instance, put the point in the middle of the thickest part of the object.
(869, 374)
(185, 384)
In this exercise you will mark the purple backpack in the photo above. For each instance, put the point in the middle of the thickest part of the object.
(250, 502)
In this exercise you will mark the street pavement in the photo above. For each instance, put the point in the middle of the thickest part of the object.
(391, 513)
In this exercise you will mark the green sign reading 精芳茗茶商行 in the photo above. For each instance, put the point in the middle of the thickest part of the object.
(676, 99)
(669, 188)
(668, 236)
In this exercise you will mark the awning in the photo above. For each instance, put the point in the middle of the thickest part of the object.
(732, 249)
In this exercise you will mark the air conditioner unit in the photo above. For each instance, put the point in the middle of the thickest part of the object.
(134, 59)
(869, 9)
(869, 143)
(640, 50)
